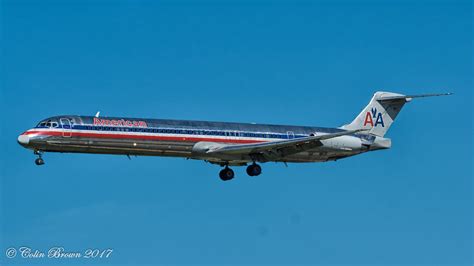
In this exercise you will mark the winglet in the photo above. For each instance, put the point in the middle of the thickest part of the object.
(97, 114)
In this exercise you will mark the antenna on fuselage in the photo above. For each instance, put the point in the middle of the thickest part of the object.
(97, 114)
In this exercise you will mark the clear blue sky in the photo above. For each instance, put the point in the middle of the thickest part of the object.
(274, 62)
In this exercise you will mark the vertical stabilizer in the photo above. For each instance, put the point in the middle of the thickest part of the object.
(381, 111)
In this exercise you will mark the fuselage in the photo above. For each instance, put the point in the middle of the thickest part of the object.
(220, 143)
(181, 138)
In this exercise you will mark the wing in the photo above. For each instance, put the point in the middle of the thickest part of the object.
(277, 149)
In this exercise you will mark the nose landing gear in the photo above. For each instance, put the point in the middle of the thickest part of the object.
(39, 160)
(254, 170)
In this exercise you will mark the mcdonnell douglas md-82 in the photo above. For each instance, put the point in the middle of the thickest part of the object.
(221, 143)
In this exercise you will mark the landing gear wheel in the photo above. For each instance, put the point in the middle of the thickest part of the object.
(254, 170)
(39, 161)
(226, 174)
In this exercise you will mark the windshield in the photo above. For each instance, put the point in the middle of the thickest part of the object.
(48, 123)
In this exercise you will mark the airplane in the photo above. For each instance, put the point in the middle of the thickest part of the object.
(222, 143)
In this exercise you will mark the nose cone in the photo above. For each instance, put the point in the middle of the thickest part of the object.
(23, 140)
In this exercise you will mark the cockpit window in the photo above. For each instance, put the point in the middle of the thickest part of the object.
(48, 123)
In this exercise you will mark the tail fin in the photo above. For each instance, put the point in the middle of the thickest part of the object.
(381, 111)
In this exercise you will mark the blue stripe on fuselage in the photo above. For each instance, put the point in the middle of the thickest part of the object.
(201, 128)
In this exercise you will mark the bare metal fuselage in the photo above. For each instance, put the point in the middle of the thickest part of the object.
(180, 138)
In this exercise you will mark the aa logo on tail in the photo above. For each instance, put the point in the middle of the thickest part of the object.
(374, 115)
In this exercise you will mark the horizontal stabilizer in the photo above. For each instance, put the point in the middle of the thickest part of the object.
(409, 97)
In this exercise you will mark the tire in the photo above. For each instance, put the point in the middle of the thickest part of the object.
(226, 174)
(39, 161)
(250, 170)
(254, 170)
(229, 174)
(257, 170)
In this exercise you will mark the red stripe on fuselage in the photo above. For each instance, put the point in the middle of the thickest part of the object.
(142, 137)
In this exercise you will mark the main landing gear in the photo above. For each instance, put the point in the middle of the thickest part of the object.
(39, 160)
(228, 174)
(254, 169)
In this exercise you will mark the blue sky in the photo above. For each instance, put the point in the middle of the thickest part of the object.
(310, 63)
